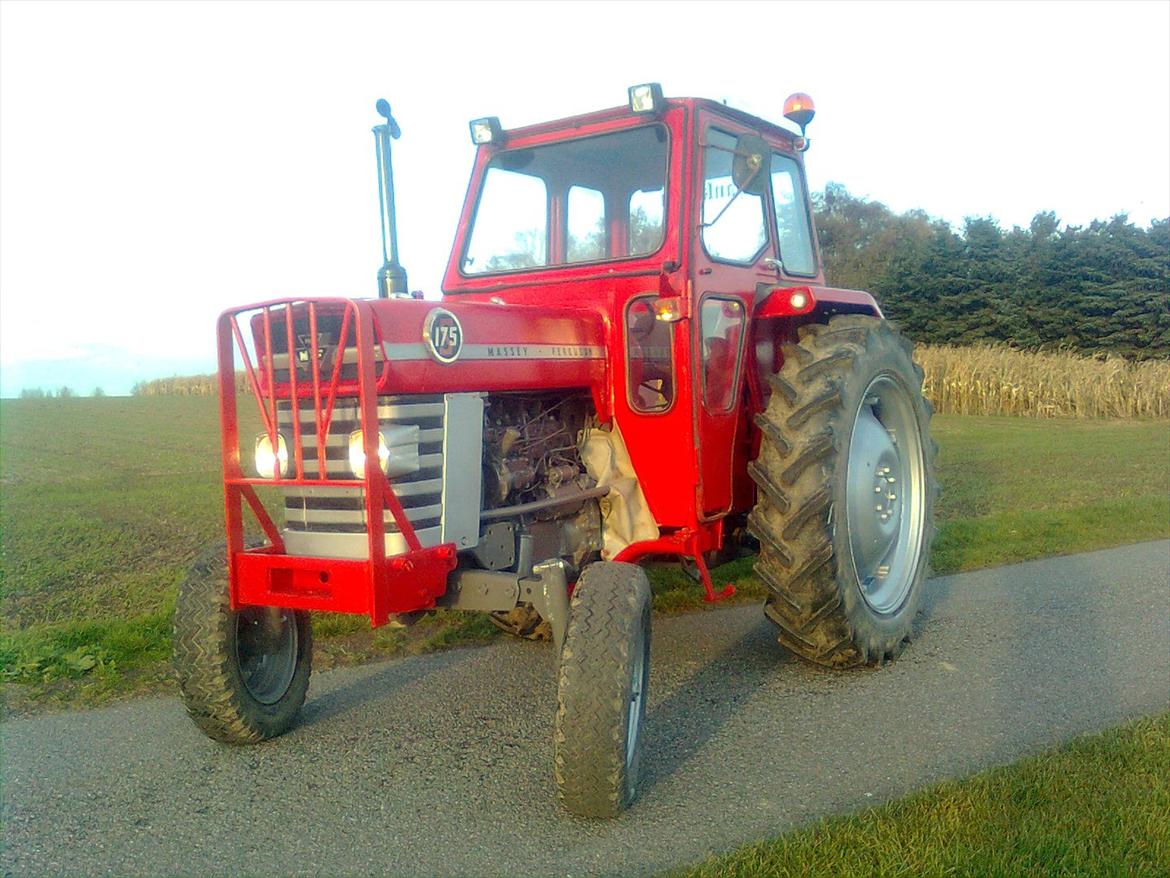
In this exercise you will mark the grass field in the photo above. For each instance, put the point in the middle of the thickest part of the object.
(1054, 814)
(106, 501)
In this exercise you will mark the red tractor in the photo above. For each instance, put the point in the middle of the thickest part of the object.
(635, 357)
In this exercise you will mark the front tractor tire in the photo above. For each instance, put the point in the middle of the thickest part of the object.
(243, 674)
(846, 489)
(601, 697)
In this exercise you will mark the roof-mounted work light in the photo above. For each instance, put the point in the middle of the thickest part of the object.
(646, 98)
(486, 130)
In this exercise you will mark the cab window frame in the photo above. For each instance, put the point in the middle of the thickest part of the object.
(481, 180)
(714, 124)
(636, 408)
(739, 354)
(806, 212)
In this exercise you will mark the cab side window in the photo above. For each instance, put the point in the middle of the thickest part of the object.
(721, 322)
(650, 354)
(796, 251)
(734, 227)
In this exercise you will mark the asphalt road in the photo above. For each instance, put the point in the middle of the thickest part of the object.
(441, 764)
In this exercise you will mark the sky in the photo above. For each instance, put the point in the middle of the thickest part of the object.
(161, 162)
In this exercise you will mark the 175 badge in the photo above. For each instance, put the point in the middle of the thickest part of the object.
(443, 335)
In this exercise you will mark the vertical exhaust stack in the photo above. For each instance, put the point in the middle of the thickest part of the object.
(391, 276)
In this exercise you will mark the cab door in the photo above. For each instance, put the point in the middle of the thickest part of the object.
(733, 251)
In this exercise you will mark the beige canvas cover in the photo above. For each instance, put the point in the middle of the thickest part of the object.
(625, 513)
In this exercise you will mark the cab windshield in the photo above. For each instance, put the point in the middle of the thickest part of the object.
(585, 200)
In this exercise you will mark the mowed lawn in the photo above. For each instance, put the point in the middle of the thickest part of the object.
(105, 502)
(1097, 806)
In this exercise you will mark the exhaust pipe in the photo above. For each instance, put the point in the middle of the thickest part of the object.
(391, 276)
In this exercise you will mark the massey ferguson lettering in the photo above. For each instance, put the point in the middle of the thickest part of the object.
(507, 352)
(538, 352)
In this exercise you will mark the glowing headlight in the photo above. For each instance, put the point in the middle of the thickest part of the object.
(269, 465)
(397, 451)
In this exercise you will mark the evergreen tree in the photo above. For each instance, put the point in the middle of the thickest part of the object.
(1101, 287)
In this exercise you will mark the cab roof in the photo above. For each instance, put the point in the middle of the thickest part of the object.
(569, 123)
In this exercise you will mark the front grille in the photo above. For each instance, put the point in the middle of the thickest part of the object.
(328, 511)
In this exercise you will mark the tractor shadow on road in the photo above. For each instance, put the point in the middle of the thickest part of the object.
(381, 681)
(681, 725)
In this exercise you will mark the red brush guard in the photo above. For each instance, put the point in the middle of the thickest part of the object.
(377, 586)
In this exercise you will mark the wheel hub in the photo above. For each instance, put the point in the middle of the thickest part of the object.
(874, 515)
(885, 489)
(884, 502)
(637, 689)
(266, 651)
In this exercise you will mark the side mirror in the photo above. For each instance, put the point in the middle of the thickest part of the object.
(752, 165)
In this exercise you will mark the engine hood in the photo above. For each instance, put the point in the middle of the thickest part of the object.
(468, 346)
(428, 347)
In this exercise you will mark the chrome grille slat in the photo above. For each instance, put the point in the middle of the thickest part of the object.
(432, 436)
(402, 489)
(338, 467)
(348, 414)
(358, 516)
(346, 544)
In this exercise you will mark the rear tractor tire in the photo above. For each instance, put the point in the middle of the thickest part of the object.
(844, 510)
(243, 674)
(601, 703)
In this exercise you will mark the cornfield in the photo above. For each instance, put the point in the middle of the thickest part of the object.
(997, 380)
(187, 385)
(977, 380)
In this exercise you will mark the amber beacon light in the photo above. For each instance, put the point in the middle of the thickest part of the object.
(799, 108)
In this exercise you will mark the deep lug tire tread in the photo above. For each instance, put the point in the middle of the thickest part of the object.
(592, 778)
(205, 663)
(816, 605)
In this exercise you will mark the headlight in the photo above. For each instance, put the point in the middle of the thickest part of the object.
(269, 465)
(397, 451)
(646, 98)
(486, 130)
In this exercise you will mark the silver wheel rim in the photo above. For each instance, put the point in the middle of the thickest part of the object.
(885, 494)
(266, 651)
(637, 693)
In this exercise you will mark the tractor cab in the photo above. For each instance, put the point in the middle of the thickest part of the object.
(674, 220)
